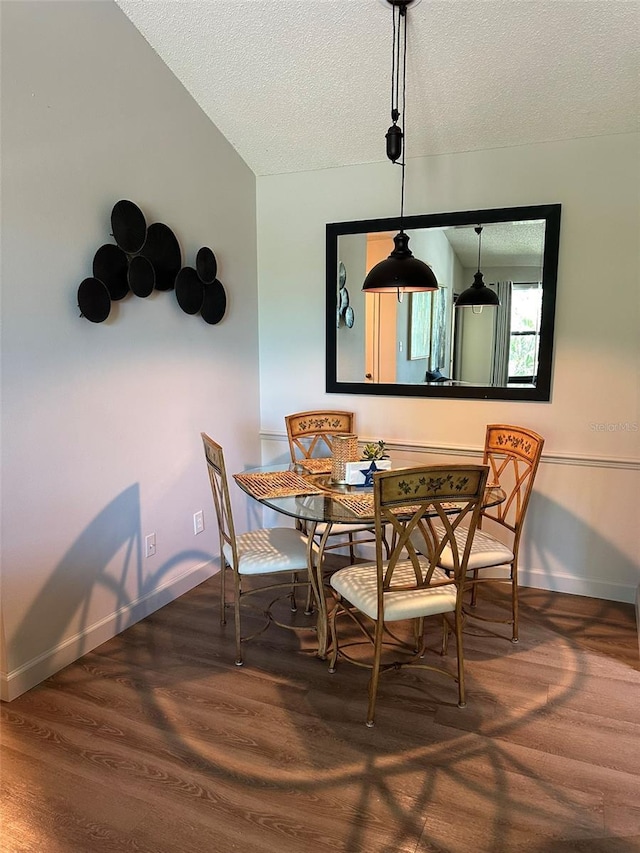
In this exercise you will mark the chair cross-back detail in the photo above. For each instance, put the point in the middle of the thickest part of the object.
(513, 455)
(311, 435)
(268, 551)
(429, 509)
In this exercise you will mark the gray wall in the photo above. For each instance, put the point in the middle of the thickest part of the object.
(101, 422)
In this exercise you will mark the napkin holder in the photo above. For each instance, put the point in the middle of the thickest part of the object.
(361, 473)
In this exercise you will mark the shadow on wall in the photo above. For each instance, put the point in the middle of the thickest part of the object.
(106, 561)
(579, 552)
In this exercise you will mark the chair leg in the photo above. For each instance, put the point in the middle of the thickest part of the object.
(239, 660)
(334, 637)
(445, 637)
(315, 562)
(418, 636)
(308, 608)
(292, 594)
(385, 543)
(300, 525)
(514, 603)
(474, 589)
(460, 655)
(352, 553)
(375, 672)
(223, 603)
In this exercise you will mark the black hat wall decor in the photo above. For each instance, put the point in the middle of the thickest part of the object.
(147, 258)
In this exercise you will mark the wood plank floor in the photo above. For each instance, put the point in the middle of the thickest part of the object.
(157, 743)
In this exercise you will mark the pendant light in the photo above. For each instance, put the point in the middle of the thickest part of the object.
(478, 294)
(400, 272)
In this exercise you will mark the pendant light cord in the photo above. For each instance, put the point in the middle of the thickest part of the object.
(396, 136)
(398, 73)
(404, 114)
(398, 52)
(395, 59)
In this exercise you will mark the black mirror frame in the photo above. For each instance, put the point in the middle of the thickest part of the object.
(542, 390)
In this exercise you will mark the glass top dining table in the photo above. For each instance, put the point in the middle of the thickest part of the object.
(329, 502)
(313, 498)
(325, 501)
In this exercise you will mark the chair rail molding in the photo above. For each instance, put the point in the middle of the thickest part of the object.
(549, 458)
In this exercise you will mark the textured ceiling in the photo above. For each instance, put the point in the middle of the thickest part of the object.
(296, 85)
(518, 244)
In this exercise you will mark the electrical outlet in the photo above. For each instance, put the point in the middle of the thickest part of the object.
(198, 522)
(150, 545)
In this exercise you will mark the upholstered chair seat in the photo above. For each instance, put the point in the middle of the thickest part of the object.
(274, 549)
(359, 585)
(486, 552)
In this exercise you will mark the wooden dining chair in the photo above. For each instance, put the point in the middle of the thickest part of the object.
(311, 435)
(441, 505)
(513, 455)
(265, 552)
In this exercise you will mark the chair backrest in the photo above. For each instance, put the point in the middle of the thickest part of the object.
(425, 508)
(221, 499)
(513, 455)
(311, 433)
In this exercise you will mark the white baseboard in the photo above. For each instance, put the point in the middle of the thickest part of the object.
(18, 681)
(591, 587)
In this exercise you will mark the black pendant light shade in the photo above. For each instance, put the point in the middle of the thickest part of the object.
(478, 295)
(400, 272)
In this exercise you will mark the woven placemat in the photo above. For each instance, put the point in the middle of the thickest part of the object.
(363, 505)
(316, 466)
(360, 505)
(275, 484)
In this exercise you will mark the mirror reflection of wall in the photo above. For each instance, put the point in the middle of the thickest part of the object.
(351, 340)
(428, 316)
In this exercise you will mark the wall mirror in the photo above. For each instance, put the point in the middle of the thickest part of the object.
(421, 345)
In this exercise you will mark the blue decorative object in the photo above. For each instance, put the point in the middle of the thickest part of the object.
(368, 474)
